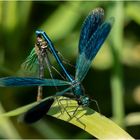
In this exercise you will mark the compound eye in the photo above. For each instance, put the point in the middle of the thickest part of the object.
(87, 98)
(38, 44)
(79, 102)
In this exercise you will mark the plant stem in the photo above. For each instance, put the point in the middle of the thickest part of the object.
(117, 72)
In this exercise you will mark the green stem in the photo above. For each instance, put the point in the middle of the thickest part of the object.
(117, 73)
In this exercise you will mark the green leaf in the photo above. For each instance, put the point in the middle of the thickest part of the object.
(7, 128)
(18, 111)
(84, 118)
(87, 119)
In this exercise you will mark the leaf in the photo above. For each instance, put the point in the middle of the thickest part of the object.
(84, 118)
(21, 110)
(88, 120)
(18, 111)
(7, 128)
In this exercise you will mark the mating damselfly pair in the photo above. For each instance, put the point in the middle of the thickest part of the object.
(93, 34)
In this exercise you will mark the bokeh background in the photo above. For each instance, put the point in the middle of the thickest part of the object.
(114, 77)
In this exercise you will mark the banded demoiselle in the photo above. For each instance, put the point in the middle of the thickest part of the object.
(93, 34)
(39, 58)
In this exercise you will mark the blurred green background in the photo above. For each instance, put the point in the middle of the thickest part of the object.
(113, 80)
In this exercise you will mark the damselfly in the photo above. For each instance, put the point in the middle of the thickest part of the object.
(39, 59)
(93, 34)
(39, 56)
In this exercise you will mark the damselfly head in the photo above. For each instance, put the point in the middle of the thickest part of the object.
(84, 101)
(40, 42)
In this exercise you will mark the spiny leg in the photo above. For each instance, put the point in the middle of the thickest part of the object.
(60, 104)
(64, 108)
